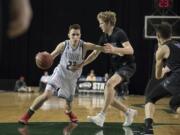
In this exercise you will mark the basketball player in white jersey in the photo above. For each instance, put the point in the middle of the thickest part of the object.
(64, 78)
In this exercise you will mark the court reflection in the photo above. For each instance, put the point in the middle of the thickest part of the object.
(69, 128)
(76, 129)
(24, 130)
(100, 132)
(128, 131)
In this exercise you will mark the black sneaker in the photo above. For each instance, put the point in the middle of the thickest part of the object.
(148, 127)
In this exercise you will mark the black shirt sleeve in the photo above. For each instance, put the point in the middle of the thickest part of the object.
(122, 36)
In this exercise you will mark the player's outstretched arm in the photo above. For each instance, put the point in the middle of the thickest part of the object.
(88, 60)
(91, 46)
(58, 50)
(91, 57)
(88, 46)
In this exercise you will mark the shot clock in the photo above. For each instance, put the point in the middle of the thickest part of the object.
(163, 4)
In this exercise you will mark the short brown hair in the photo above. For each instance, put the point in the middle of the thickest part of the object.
(107, 17)
(165, 30)
(75, 26)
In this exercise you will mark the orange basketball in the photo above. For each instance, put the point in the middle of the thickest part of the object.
(44, 60)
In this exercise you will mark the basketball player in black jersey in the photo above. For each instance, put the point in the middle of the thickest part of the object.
(168, 51)
(122, 65)
(153, 82)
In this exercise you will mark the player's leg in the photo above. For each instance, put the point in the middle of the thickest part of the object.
(173, 87)
(67, 91)
(125, 73)
(153, 96)
(110, 100)
(37, 103)
(109, 94)
(51, 87)
(123, 90)
(69, 113)
(175, 103)
(178, 110)
(119, 105)
(129, 114)
(68, 106)
(121, 75)
(151, 84)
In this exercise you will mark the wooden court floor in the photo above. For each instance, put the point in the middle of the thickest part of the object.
(13, 105)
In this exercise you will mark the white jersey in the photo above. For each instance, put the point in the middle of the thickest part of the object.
(71, 56)
(63, 78)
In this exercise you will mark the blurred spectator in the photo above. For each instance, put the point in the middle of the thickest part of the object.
(43, 81)
(21, 86)
(82, 78)
(106, 77)
(91, 76)
(20, 17)
(15, 19)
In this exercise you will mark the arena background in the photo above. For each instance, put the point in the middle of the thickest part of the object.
(50, 26)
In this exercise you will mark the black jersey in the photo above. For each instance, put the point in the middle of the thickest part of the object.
(117, 38)
(173, 61)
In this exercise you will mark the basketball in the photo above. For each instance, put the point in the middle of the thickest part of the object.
(44, 60)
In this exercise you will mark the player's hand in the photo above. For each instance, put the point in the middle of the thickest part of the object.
(109, 48)
(76, 67)
(165, 70)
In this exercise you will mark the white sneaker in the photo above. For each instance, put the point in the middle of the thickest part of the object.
(129, 117)
(98, 119)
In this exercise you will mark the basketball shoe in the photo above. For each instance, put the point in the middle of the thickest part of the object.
(98, 119)
(129, 117)
(72, 116)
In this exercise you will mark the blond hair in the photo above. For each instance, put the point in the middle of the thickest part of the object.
(107, 17)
